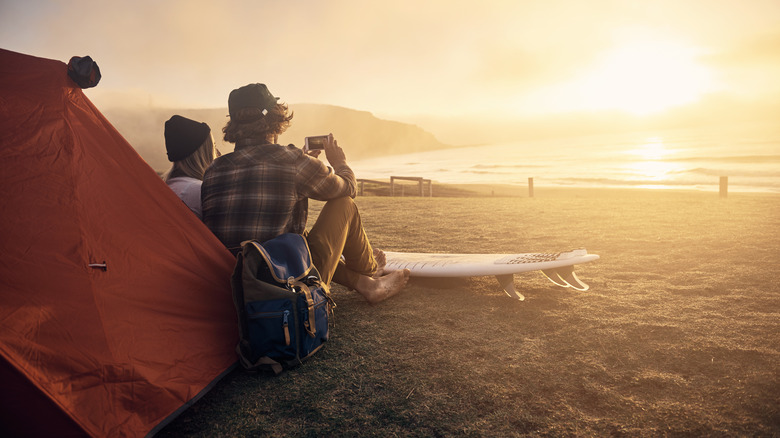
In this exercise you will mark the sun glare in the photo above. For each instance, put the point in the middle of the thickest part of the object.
(652, 149)
(644, 77)
(647, 163)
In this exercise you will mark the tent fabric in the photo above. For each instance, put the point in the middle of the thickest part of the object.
(115, 307)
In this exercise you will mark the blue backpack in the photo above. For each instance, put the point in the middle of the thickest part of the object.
(283, 306)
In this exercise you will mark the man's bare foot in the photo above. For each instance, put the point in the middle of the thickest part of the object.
(378, 289)
(381, 261)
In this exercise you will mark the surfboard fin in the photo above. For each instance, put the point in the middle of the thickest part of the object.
(507, 283)
(552, 275)
(565, 277)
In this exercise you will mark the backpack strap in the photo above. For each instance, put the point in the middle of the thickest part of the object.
(311, 326)
(286, 255)
(275, 366)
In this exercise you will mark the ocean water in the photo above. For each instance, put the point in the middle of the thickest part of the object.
(689, 159)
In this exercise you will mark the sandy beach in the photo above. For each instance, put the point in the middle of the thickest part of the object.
(678, 334)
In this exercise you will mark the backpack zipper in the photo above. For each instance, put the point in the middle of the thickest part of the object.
(285, 321)
(286, 326)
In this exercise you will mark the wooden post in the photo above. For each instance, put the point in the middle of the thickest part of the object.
(419, 180)
(530, 187)
(724, 186)
(360, 188)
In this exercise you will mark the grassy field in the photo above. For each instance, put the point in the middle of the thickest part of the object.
(678, 336)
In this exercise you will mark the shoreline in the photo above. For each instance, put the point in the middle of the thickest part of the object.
(521, 191)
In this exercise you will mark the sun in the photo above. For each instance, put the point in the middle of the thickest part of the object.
(643, 77)
(640, 75)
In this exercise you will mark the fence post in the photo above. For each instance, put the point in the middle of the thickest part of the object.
(530, 187)
(724, 186)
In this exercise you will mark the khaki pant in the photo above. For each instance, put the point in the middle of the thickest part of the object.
(339, 231)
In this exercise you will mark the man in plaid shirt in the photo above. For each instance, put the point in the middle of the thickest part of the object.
(261, 190)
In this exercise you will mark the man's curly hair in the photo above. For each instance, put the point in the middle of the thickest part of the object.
(250, 123)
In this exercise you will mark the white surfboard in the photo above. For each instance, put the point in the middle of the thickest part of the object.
(558, 267)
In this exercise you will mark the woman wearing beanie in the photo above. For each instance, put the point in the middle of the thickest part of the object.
(190, 147)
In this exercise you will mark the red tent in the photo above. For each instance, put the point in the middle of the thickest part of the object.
(115, 304)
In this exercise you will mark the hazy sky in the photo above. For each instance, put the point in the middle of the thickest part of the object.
(400, 58)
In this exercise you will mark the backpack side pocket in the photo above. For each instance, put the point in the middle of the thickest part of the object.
(272, 329)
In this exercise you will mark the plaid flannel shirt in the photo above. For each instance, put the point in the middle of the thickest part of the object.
(261, 191)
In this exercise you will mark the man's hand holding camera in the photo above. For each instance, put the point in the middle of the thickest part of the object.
(333, 152)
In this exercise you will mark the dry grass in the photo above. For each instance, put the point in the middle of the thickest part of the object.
(677, 336)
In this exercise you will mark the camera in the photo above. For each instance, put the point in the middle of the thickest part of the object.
(315, 143)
